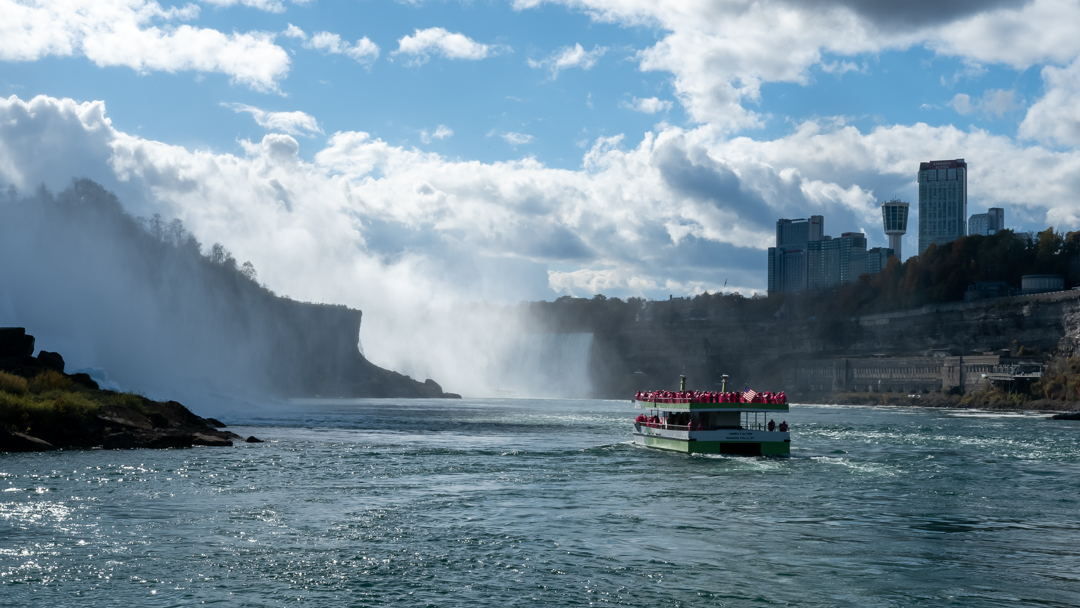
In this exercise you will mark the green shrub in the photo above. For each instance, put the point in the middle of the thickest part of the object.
(132, 401)
(49, 380)
(10, 383)
(29, 411)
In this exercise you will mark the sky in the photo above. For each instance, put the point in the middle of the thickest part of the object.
(436, 151)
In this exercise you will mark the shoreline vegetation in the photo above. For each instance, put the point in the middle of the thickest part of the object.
(1058, 391)
(43, 409)
(982, 400)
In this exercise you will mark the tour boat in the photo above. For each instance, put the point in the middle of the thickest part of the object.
(694, 422)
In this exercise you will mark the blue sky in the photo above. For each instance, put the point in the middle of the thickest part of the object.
(654, 162)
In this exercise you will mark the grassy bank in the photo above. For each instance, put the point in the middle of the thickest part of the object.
(51, 398)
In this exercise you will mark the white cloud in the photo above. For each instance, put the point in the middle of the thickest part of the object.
(294, 32)
(1055, 119)
(998, 102)
(436, 40)
(441, 132)
(720, 53)
(273, 6)
(1038, 31)
(993, 103)
(364, 51)
(569, 57)
(293, 123)
(517, 139)
(962, 104)
(648, 105)
(839, 68)
(392, 229)
(126, 33)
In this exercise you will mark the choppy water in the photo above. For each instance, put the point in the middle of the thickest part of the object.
(519, 503)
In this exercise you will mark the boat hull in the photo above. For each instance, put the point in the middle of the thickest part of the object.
(737, 442)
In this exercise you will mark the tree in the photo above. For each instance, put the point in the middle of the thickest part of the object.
(248, 270)
(218, 253)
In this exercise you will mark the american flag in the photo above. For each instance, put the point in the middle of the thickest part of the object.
(748, 394)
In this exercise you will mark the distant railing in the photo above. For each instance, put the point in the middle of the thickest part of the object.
(1008, 373)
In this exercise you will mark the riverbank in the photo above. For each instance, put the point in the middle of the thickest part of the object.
(42, 408)
(979, 401)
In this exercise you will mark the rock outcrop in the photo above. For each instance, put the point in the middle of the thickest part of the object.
(69, 411)
(15, 343)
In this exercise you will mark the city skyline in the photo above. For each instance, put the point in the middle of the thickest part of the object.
(447, 152)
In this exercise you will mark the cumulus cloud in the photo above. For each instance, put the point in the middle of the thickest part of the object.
(1055, 119)
(273, 6)
(396, 231)
(517, 139)
(293, 123)
(294, 32)
(364, 51)
(127, 33)
(441, 132)
(569, 57)
(993, 103)
(720, 54)
(648, 105)
(439, 41)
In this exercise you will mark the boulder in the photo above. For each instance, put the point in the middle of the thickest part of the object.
(51, 360)
(120, 441)
(1066, 416)
(15, 343)
(21, 442)
(84, 380)
(204, 439)
(118, 414)
(170, 440)
(253, 439)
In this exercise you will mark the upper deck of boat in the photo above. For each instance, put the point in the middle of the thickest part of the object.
(682, 404)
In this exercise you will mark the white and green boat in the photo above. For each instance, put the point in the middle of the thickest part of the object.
(713, 423)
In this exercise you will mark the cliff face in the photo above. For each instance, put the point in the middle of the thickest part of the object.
(758, 353)
(314, 351)
(140, 300)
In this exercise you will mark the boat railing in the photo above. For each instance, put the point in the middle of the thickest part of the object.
(685, 427)
(670, 400)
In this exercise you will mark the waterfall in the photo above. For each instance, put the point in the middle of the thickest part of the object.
(548, 365)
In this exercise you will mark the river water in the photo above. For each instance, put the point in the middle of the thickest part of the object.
(526, 503)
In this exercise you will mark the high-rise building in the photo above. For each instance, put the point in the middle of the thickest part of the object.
(877, 258)
(942, 201)
(987, 223)
(894, 214)
(788, 259)
(832, 262)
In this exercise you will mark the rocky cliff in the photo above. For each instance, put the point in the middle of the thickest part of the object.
(158, 310)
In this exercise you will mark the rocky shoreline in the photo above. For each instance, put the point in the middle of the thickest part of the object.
(42, 408)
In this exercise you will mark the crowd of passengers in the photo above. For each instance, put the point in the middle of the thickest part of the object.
(658, 422)
(708, 397)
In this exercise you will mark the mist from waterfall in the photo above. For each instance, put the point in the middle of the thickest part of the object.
(553, 365)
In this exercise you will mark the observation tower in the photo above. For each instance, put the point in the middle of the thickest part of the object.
(894, 214)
